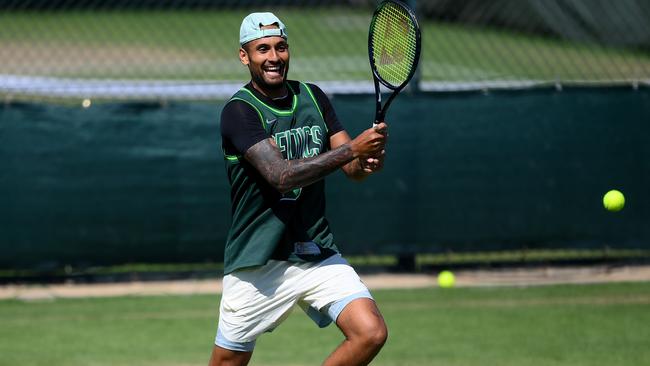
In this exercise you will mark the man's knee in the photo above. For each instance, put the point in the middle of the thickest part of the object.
(375, 335)
(362, 322)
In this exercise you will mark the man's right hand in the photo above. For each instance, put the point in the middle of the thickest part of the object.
(371, 142)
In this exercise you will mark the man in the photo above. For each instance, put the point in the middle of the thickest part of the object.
(280, 139)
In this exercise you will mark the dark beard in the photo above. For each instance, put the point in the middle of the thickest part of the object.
(259, 80)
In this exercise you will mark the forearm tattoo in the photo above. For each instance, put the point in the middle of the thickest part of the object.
(286, 175)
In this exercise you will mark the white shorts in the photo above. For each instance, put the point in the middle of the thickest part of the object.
(257, 300)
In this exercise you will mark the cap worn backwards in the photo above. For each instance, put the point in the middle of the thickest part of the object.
(251, 27)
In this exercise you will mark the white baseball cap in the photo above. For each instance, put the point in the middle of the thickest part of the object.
(251, 27)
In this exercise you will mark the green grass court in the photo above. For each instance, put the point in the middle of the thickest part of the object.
(327, 44)
(553, 325)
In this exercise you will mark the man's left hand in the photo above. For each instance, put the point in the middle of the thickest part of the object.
(373, 164)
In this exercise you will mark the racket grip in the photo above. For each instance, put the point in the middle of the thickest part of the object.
(379, 117)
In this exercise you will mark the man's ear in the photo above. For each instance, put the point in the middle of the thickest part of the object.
(243, 56)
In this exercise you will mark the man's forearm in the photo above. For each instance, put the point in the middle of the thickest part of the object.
(285, 175)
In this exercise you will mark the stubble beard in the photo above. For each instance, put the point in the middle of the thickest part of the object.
(259, 80)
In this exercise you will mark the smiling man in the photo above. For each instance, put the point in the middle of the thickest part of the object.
(280, 139)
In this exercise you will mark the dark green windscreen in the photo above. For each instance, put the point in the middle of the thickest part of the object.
(118, 183)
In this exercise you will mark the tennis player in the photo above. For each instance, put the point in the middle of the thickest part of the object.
(280, 139)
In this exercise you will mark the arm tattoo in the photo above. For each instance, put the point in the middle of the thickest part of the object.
(286, 175)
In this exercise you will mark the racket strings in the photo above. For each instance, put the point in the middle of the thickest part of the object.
(394, 43)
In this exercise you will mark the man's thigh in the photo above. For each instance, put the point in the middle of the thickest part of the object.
(225, 357)
(329, 288)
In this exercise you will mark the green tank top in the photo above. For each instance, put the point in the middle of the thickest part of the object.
(266, 224)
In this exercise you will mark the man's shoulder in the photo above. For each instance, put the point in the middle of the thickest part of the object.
(237, 104)
(241, 100)
(237, 108)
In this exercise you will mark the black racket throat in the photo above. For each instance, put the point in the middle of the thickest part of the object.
(380, 112)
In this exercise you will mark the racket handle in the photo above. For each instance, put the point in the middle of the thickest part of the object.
(379, 117)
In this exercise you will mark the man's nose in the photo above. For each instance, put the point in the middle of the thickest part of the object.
(273, 55)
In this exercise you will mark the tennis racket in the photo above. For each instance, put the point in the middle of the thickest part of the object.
(394, 50)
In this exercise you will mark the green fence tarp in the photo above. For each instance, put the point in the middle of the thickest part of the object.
(117, 183)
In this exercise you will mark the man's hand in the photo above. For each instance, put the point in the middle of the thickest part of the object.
(370, 143)
(374, 164)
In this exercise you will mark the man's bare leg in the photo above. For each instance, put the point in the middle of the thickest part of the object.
(365, 333)
(225, 357)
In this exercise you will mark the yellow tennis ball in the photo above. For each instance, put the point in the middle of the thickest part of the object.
(446, 279)
(614, 200)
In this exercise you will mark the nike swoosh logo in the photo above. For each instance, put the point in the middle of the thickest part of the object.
(270, 121)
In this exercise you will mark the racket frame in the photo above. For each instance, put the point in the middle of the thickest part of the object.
(380, 112)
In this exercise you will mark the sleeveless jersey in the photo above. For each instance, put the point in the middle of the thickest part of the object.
(265, 223)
